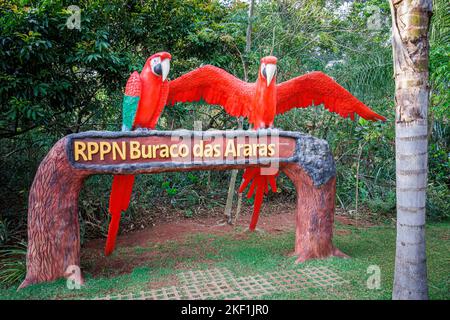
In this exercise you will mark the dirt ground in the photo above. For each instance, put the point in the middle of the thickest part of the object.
(272, 221)
(179, 227)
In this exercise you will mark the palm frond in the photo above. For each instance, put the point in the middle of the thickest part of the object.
(13, 264)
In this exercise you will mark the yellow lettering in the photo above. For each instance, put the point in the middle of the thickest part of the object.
(155, 148)
(135, 153)
(262, 150)
(198, 149)
(92, 149)
(271, 148)
(120, 151)
(105, 147)
(239, 148)
(230, 149)
(209, 150)
(248, 148)
(173, 152)
(79, 147)
(217, 150)
(164, 153)
(183, 150)
(146, 154)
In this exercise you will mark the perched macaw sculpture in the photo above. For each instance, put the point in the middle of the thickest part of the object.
(261, 101)
(144, 100)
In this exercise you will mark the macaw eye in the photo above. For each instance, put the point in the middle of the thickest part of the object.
(156, 66)
(155, 61)
(263, 70)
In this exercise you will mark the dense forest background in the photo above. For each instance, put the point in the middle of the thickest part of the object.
(55, 81)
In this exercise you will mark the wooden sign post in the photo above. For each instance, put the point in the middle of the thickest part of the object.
(53, 230)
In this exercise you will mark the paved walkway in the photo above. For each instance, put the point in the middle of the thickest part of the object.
(220, 283)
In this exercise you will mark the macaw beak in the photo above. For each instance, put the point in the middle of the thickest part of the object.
(165, 67)
(271, 69)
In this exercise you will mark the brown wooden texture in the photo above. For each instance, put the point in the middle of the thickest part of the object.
(53, 229)
(315, 216)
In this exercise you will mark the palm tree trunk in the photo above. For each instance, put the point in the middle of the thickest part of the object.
(410, 25)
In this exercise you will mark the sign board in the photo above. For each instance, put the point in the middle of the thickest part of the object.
(146, 149)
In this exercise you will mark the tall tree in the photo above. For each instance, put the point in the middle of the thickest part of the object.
(410, 26)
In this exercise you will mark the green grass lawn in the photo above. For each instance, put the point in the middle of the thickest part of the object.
(260, 253)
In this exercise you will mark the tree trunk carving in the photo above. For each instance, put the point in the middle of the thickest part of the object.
(315, 216)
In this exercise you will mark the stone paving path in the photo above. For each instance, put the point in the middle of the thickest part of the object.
(220, 283)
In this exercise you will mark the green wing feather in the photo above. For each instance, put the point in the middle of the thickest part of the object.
(131, 101)
(129, 108)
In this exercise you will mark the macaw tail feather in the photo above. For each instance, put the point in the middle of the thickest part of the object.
(119, 201)
(112, 232)
(260, 186)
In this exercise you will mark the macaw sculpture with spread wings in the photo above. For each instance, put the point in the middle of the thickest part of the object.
(261, 101)
(147, 93)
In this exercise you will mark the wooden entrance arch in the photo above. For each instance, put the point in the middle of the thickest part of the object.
(53, 229)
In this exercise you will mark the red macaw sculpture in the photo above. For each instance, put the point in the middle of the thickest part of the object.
(144, 100)
(261, 101)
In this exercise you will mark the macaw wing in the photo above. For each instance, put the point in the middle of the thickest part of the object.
(131, 101)
(317, 88)
(214, 86)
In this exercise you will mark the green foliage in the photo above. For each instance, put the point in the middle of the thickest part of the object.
(438, 201)
(13, 264)
(438, 193)
(54, 78)
(171, 191)
(4, 232)
(188, 213)
(382, 205)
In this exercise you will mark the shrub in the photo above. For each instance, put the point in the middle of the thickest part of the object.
(13, 264)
